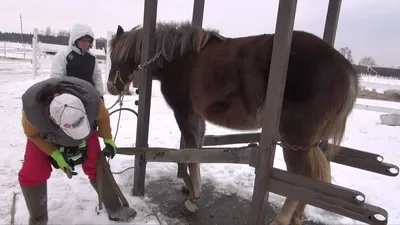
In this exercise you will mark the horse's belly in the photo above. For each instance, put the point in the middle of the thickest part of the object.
(220, 99)
(230, 114)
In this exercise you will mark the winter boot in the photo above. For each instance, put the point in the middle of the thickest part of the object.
(36, 202)
(116, 211)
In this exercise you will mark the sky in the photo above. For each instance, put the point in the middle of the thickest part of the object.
(367, 27)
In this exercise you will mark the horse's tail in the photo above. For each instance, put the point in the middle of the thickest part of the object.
(334, 128)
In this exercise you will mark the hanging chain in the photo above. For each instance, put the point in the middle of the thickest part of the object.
(297, 147)
(143, 67)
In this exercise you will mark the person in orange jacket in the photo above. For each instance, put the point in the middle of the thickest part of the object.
(58, 120)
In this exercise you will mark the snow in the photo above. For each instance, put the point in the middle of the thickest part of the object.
(379, 83)
(73, 201)
(380, 79)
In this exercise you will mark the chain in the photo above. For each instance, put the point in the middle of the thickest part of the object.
(297, 147)
(143, 67)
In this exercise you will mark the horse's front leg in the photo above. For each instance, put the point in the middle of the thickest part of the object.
(192, 128)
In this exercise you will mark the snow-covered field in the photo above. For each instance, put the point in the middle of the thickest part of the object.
(68, 198)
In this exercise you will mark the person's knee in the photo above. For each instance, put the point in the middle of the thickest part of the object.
(34, 174)
(89, 167)
(90, 172)
(92, 156)
(36, 167)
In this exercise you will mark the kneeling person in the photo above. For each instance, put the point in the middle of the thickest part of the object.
(58, 117)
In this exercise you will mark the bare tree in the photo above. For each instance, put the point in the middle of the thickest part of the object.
(48, 31)
(367, 61)
(346, 52)
(63, 33)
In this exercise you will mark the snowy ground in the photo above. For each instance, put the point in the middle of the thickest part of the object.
(68, 198)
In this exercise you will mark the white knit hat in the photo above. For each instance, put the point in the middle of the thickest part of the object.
(69, 113)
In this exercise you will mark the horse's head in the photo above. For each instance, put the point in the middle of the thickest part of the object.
(123, 63)
(172, 41)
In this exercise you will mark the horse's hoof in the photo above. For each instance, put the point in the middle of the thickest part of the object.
(185, 191)
(197, 195)
(296, 221)
(191, 206)
(275, 223)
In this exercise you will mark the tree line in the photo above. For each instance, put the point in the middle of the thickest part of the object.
(365, 61)
(368, 65)
(60, 37)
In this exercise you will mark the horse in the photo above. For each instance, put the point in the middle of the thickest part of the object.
(205, 76)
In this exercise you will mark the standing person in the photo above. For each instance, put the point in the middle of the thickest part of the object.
(76, 60)
(58, 116)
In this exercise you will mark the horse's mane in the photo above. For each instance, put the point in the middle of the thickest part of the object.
(173, 39)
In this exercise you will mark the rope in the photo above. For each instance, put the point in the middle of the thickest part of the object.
(124, 170)
(120, 100)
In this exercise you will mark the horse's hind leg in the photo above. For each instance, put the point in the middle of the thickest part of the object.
(182, 173)
(192, 127)
(309, 162)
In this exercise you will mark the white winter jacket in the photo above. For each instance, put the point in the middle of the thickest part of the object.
(63, 56)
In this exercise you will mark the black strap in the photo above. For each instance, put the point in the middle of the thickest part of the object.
(102, 164)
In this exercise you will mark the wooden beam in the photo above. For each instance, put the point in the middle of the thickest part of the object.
(317, 186)
(197, 21)
(274, 98)
(239, 155)
(345, 156)
(198, 12)
(227, 139)
(142, 130)
(326, 196)
(331, 22)
(365, 161)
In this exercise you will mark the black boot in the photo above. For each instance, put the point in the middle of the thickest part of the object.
(116, 211)
(36, 202)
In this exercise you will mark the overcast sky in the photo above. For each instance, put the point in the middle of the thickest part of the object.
(367, 27)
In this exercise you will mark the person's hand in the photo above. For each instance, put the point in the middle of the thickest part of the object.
(59, 158)
(111, 149)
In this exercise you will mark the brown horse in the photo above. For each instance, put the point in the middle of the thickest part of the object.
(205, 76)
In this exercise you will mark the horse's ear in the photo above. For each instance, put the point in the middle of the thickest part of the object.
(204, 36)
(120, 31)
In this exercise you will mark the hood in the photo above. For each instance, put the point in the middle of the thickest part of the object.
(78, 31)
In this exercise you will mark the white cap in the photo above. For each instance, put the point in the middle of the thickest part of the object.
(69, 113)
